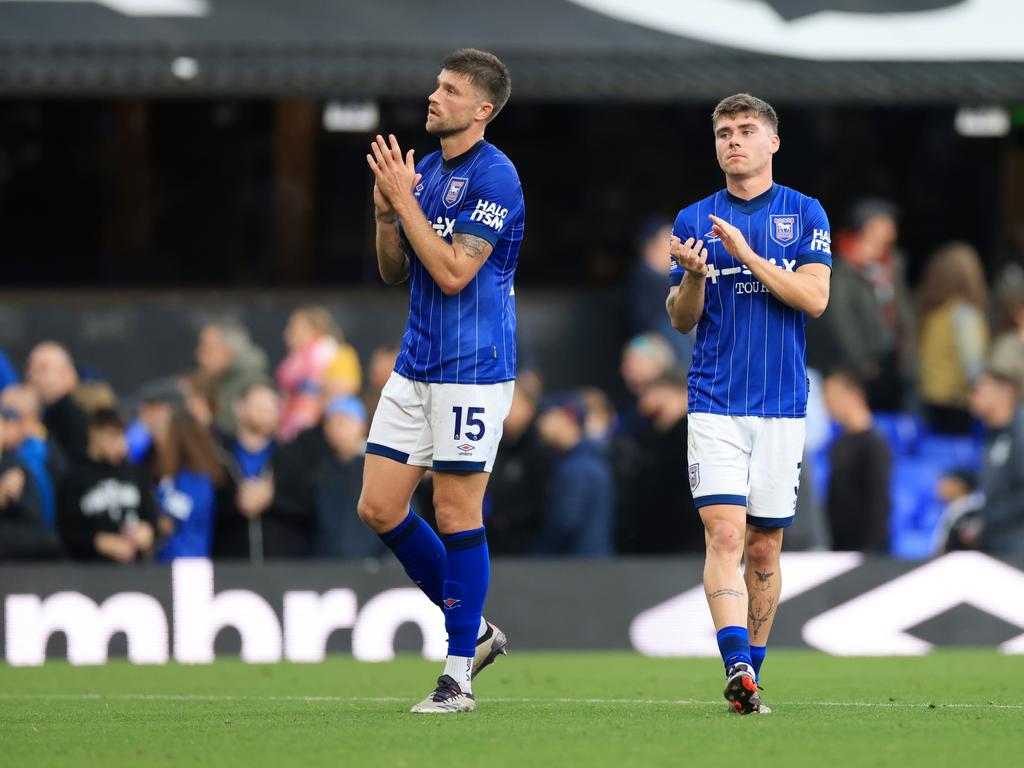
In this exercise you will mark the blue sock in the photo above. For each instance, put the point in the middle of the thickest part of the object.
(467, 574)
(734, 644)
(757, 654)
(419, 549)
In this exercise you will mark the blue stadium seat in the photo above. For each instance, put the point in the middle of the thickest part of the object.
(915, 507)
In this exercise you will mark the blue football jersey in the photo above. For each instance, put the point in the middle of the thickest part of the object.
(468, 338)
(749, 357)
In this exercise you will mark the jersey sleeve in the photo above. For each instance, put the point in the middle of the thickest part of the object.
(493, 202)
(816, 238)
(683, 229)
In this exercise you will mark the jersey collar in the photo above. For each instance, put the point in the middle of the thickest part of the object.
(447, 166)
(753, 204)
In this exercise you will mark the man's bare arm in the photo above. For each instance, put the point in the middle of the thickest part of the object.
(805, 290)
(392, 260)
(685, 303)
(452, 265)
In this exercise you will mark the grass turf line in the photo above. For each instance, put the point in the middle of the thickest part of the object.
(535, 710)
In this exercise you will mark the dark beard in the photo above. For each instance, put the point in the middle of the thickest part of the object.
(443, 132)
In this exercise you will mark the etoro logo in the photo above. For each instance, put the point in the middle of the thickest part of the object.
(443, 226)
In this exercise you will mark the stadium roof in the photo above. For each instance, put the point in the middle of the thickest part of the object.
(876, 51)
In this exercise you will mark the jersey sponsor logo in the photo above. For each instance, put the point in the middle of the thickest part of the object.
(714, 272)
(456, 189)
(489, 214)
(785, 229)
(821, 241)
(443, 226)
(711, 237)
(694, 475)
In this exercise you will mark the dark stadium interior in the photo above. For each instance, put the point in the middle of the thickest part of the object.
(256, 193)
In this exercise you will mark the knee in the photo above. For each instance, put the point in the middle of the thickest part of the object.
(376, 516)
(763, 548)
(724, 540)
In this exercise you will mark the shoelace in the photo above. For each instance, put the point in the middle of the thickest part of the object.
(447, 688)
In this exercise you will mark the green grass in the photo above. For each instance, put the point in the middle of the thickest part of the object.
(535, 710)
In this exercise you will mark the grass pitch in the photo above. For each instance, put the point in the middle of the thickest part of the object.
(953, 708)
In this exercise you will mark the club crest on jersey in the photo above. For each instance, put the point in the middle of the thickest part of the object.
(456, 189)
(694, 473)
(785, 229)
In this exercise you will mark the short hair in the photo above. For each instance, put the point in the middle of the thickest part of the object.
(742, 103)
(107, 418)
(485, 71)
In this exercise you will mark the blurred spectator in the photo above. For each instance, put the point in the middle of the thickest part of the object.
(580, 501)
(656, 513)
(602, 420)
(996, 401)
(23, 529)
(93, 394)
(868, 324)
(378, 371)
(512, 510)
(645, 359)
(51, 373)
(229, 362)
(961, 511)
(314, 341)
(953, 335)
(24, 436)
(1008, 349)
(860, 460)
(105, 507)
(200, 395)
(343, 375)
(322, 471)
(252, 522)
(8, 375)
(648, 287)
(189, 469)
(157, 402)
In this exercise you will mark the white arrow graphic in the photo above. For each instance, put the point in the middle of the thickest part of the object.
(874, 623)
(681, 626)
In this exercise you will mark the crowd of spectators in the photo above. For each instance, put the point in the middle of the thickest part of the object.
(233, 459)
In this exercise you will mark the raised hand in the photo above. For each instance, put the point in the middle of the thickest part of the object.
(691, 256)
(395, 177)
(732, 239)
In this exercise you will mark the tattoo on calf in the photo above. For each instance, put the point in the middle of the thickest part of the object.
(763, 579)
(759, 617)
(471, 244)
(726, 593)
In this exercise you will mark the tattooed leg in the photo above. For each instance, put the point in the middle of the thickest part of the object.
(763, 578)
(724, 531)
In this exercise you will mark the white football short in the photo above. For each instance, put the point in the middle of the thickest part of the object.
(750, 461)
(446, 427)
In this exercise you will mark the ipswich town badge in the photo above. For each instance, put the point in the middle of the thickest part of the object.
(785, 229)
(456, 189)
